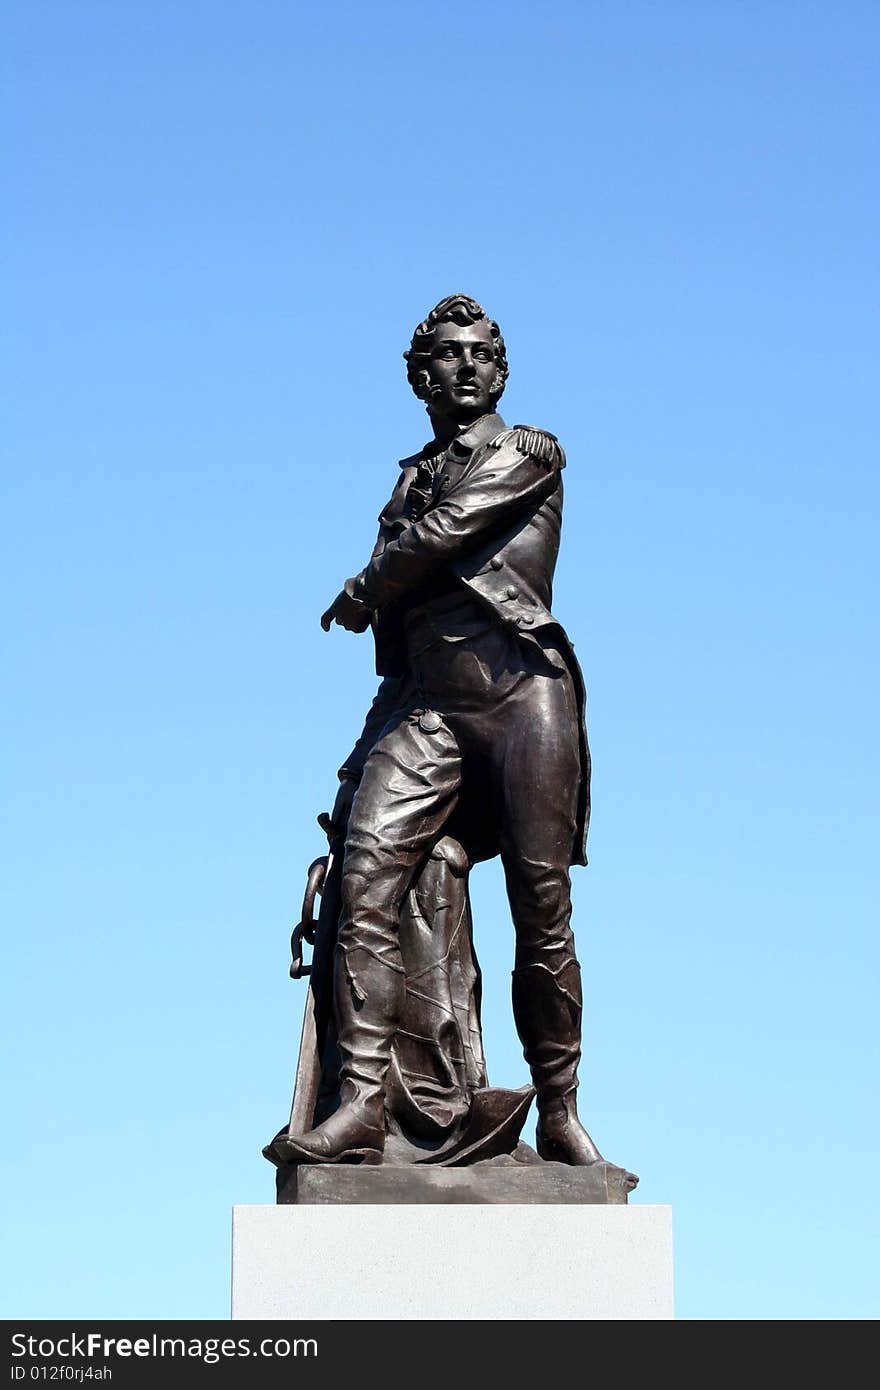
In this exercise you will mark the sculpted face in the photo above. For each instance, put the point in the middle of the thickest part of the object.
(461, 371)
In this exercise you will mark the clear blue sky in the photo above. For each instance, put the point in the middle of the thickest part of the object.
(222, 223)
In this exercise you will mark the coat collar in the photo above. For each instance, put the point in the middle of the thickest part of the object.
(480, 432)
(471, 437)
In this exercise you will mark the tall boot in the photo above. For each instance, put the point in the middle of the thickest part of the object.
(369, 998)
(547, 1010)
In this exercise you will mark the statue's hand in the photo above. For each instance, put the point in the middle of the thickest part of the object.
(348, 612)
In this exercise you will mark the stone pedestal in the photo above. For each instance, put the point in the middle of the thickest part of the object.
(403, 1244)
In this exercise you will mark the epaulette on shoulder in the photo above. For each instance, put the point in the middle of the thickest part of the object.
(540, 445)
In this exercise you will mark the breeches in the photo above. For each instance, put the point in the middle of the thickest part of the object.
(522, 751)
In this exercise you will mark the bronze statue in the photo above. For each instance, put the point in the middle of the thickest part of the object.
(474, 746)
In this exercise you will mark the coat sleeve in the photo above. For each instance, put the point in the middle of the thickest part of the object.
(507, 479)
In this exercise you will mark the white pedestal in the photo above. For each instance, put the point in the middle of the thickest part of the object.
(436, 1261)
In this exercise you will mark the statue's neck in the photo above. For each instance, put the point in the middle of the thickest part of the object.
(446, 429)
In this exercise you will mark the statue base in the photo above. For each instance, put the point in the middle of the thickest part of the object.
(496, 1181)
(390, 1244)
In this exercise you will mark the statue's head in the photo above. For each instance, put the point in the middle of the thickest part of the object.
(457, 362)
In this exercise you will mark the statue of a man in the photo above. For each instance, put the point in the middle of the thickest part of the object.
(477, 731)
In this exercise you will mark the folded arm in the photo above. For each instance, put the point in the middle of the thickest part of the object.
(503, 483)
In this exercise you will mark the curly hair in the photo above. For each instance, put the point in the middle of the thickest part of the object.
(455, 308)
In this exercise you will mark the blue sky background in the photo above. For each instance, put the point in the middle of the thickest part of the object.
(222, 222)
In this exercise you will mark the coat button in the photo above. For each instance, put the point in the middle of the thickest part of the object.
(525, 620)
(496, 562)
(512, 591)
(430, 721)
